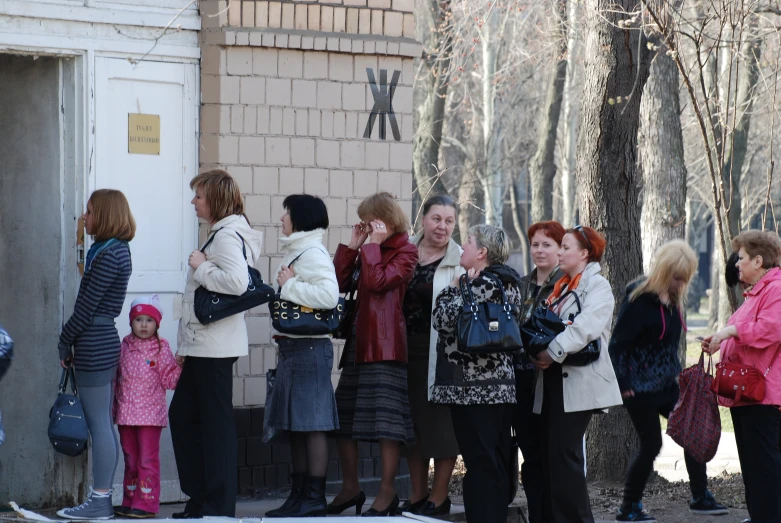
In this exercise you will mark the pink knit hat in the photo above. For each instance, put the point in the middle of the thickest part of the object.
(147, 305)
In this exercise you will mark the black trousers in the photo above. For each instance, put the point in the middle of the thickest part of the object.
(483, 435)
(204, 436)
(646, 422)
(527, 427)
(566, 492)
(757, 434)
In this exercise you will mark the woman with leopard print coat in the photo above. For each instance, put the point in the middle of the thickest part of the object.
(480, 389)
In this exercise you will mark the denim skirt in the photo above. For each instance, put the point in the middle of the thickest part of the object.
(302, 399)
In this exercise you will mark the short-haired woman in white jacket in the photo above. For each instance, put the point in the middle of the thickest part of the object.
(303, 402)
(567, 395)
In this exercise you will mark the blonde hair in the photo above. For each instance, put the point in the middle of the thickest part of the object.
(222, 193)
(111, 215)
(494, 240)
(674, 258)
(383, 206)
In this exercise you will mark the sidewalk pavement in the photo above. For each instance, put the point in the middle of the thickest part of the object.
(671, 466)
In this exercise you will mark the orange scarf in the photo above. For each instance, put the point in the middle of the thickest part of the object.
(566, 282)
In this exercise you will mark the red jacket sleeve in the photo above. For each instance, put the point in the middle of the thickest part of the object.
(345, 261)
(381, 277)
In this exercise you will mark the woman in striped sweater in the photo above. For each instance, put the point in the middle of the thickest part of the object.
(90, 342)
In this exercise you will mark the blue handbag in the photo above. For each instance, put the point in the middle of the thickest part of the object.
(68, 431)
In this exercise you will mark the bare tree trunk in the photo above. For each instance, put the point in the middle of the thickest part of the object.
(570, 116)
(663, 217)
(467, 193)
(519, 228)
(492, 176)
(616, 65)
(543, 169)
(716, 277)
(430, 90)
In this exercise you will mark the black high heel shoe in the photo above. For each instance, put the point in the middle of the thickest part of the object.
(390, 510)
(357, 501)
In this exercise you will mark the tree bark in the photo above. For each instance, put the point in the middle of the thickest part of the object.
(492, 181)
(543, 169)
(616, 65)
(570, 116)
(663, 217)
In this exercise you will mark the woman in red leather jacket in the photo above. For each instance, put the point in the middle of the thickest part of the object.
(371, 397)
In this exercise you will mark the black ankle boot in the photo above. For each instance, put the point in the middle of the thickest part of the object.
(312, 503)
(298, 485)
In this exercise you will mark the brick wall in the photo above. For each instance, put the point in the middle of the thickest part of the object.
(288, 90)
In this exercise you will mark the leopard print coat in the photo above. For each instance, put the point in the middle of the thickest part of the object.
(471, 379)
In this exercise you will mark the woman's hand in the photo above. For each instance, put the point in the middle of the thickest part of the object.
(284, 275)
(628, 394)
(378, 233)
(542, 361)
(66, 363)
(179, 359)
(712, 343)
(196, 259)
(360, 233)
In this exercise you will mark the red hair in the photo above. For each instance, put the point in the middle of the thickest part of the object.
(552, 229)
(595, 245)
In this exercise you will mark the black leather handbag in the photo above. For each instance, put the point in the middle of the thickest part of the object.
(214, 306)
(488, 327)
(544, 325)
(350, 300)
(292, 318)
(68, 431)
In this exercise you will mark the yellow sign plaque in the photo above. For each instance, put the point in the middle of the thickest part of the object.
(143, 133)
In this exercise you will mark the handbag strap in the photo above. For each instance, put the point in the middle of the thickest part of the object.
(468, 297)
(211, 239)
(68, 374)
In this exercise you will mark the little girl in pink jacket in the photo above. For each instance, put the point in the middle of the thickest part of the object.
(146, 369)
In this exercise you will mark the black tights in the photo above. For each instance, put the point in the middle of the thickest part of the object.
(310, 453)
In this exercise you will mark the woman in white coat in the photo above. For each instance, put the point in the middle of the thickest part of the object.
(567, 395)
(439, 262)
(201, 412)
(303, 402)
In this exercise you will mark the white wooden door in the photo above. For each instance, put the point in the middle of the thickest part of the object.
(156, 185)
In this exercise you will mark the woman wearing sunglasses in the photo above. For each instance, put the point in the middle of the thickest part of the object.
(567, 395)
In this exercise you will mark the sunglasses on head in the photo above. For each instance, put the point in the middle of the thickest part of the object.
(579, 228)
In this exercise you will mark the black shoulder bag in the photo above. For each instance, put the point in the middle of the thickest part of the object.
(345, 327)
(68, 432)
(487, 327)
(214, 306)
(293, 318)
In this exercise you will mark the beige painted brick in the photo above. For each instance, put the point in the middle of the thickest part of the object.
(408, 26)
(209, 148)
(261, 14)
(291, 180)
(275, 15)
(355, 3)
(255, 353)
(377, 155)
(362, 63)
(353, 154)
(238, 392)
(278, 91)
(248, 14)
(254, 391)
(210, 17)
(377, 18)
(320, 43)
(354, 96)
(302, 151)
(364, 183)
(269, 354)
(262, 265)
(352, 126)
(234, 14)
(341, 19)
(345, 45)
(215, 118)
(326, 18)
(268, 39)
(239, 61)
(253, 90)
(275, 120)
(243, 176)
(401, 156)
(307, 42)
(353, 19)
(302, 122)
(394, 24)
(242, 39)
(251, 149)
(327, 153)
(327, 124)
(266, 179)
(304, 93)
(407, 71)
(316, 181)
(291, 63)
(230, 37)
(301, 17)
(357, 46)
(271, 239)
(288, 121)
(250, 120)
(380, 4)
(237, 119)
(332, 43)
(339, 124)
(314, 122)
(406, 126)
(316, 65)
(381, 47)
(277, 209)
(264, 118)
(278, 151)
(340, 183)
(364, 21)
(406, 6)
(294, 41)
(214, 60)
(264, 61)
(406, 185)
(334, 2)
(281, 40)
(390, 64)
(329, 95)
(258, 208)
(369, 47)
(288, 16)
(337, 210)
(242, 367)
(390, 182)
(340, 68)
(402, 101)
(228, 150)
(313, 19)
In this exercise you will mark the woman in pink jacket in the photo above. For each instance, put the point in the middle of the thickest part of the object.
(752, 337)
(146, 369)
